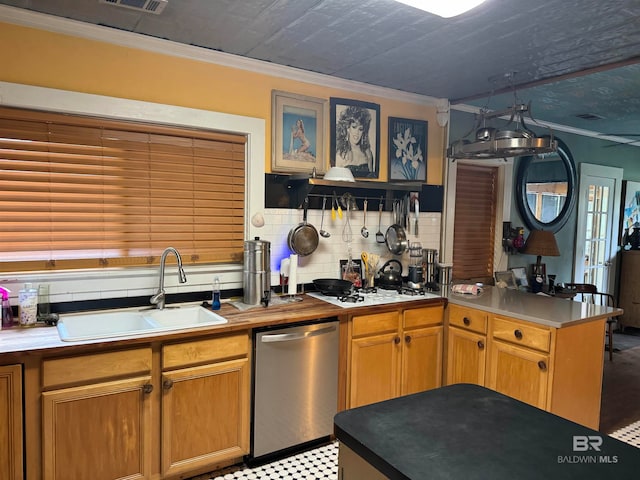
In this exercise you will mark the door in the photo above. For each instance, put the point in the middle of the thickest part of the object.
(466, 357)
(98, 432)
(597, 226)
(11, 422)
(421, 360)
(204, 415)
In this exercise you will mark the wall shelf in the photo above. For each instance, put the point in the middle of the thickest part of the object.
(289, 191)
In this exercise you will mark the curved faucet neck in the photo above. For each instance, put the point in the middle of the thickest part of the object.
(159, 298)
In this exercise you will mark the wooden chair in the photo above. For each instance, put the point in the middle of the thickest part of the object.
(587, 292)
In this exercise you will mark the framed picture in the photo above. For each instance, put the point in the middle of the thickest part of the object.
(355, 136)
(408, 150)
(506, 279)
(630, 206)
(520, 273)
(297, 133)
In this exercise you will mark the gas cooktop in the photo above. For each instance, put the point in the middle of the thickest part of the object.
(364, 298)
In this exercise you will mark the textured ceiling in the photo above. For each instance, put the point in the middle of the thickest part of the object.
(385, 43)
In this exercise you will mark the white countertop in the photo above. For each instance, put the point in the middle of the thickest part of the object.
(545, 310)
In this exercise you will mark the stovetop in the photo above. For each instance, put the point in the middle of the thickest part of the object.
(379, 296)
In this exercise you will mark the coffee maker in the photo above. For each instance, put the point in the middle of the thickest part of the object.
(429, 265)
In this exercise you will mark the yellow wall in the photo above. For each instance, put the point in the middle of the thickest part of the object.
(35, 57)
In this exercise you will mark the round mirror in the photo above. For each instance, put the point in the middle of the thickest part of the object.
(545, 189)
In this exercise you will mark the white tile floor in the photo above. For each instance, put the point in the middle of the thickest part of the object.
(318, 464)
(629, 434)
(322, 463)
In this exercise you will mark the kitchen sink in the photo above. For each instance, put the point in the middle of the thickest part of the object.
(184, 317)
(93, 326)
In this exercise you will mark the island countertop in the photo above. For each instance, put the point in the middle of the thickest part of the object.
(471, 432)
(545, 310)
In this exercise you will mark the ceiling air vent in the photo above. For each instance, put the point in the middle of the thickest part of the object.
(149, 6)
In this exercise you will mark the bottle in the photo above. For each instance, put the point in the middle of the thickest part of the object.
(215, 297)
(28, 303)
(7, 313)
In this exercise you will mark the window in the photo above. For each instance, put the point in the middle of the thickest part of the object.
(475, 219)
(84, 192)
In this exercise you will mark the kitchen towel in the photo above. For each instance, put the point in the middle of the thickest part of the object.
(467, 289)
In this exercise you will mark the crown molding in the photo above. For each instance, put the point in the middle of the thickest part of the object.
(65, 26)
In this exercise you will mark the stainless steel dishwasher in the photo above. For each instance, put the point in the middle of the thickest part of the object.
(295, 386)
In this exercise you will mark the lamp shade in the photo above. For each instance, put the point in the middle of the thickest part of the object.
(541, 243)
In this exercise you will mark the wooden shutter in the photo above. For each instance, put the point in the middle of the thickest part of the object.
(82, 192)
(475, 219)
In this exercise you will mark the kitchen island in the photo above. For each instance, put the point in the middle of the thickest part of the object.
(471, 432)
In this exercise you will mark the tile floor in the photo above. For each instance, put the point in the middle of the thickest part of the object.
(629, 434)
(321, 463)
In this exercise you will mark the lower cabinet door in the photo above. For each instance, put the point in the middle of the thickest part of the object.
(421, 360)
(205, 415)
(11, 467)
(98, 432)
(466, 357)
(520, 373)
(374, 369)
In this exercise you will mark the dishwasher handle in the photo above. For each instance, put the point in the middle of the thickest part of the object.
(288, 337)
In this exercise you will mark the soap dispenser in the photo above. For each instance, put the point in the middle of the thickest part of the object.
(7, 313)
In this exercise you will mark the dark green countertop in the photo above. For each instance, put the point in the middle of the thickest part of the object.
(471, 432)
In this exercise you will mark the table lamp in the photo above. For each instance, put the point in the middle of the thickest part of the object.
(540, 243)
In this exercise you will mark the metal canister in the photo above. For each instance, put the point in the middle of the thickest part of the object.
(430, 259)
(256, 273)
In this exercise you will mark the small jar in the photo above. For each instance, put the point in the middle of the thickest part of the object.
(28, 305)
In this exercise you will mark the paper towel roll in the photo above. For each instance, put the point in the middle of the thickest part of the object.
(293, 270)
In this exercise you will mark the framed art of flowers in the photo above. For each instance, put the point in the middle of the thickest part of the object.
(407, 149)
(297, 140)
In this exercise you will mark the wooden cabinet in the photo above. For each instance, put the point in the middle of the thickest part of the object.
(205, 402)
(11, 464)
(157, 411)
(96, 415)
(394, 353)
(466, 345)
(519, 360)
(555, 369)
(629, 297)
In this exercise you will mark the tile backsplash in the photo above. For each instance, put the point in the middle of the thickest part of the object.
(70, 286)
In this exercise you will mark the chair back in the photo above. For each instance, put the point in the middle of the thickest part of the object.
(582, 291)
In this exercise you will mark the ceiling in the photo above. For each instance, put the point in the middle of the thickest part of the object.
(582, 54)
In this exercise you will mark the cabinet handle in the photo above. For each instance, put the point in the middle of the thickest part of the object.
(480, 344)
(396, 340)
(147, 388)
(466, 321)
(407, 338)
(542, 365)
(518, 334)
(167, 384)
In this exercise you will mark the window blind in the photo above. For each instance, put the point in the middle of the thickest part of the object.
(475, 219)
(84, 192)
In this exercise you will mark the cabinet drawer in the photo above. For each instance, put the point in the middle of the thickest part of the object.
(468, 318)
(204, 351)
(95, 367)
(422, 317)
(521, 334)
(376, 323)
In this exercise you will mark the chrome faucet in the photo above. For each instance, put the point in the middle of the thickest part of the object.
(159, 297)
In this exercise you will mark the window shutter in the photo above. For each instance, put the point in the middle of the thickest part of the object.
(475, 219)
(83, 192)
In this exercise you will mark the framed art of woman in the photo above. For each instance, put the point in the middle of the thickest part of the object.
(355, 133)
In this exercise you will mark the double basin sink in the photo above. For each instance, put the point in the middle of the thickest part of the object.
(92, 326)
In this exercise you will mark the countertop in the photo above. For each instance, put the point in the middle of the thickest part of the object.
(549, 311)
(545, 310)
(40, 338)
(471, 432)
